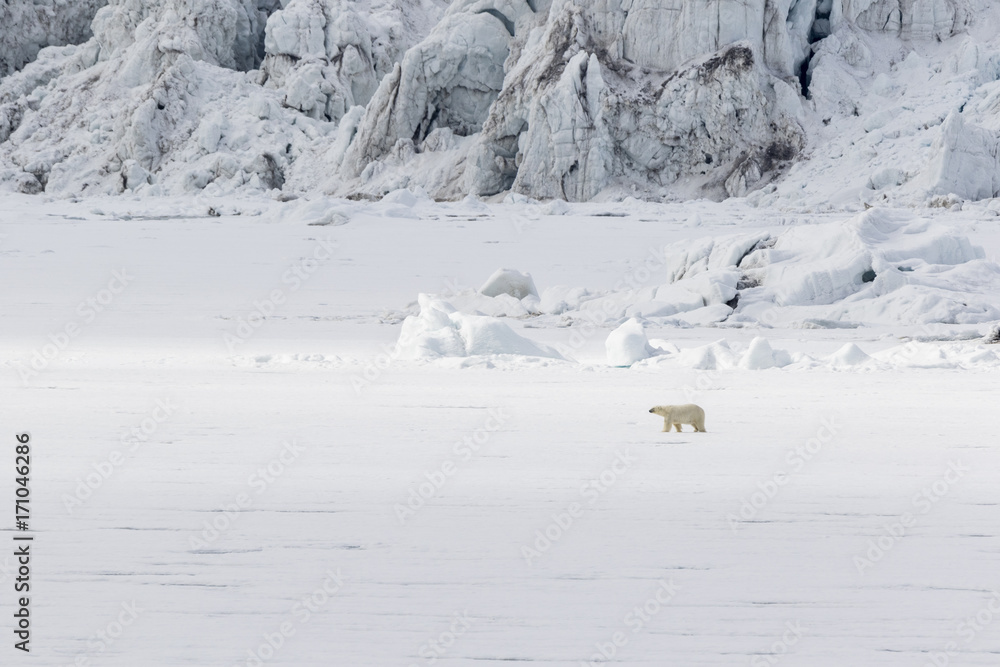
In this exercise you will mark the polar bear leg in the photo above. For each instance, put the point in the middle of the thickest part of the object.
(666, 426)
(700, 426)
(677, 426)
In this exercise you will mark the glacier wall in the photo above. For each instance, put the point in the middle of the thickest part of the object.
(29, 27)
(572, 99)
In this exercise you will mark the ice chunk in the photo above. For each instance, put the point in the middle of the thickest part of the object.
(967, 161)
(628, 344)
(758, 356)
(509, 281)
(441, 331)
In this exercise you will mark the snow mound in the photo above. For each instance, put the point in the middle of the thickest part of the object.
(509, 281)
(759, 356)
(849, 355)
(439, 330)
(628, 344)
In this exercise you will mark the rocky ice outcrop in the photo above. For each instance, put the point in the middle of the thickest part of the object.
(134, 100)
(910, 19)
(221, 32)
(157, 101)
(718, 117)
(656, 97)
(330, 55)
(448, 81)
(28, 27)
(588, 100)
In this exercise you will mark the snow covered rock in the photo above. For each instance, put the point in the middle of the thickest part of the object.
(441, 331)
(628, 344)
(508, 281)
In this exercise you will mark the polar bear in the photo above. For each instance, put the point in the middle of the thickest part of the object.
(681, 414)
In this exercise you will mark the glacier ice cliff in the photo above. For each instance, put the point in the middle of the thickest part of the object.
(29, 27)
(821, 103)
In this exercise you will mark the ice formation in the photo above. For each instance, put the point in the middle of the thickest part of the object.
(328, 56)
(565, 99)
(511, 282)
(628, 344)
(721, 355)
(881, 267)
(439, 330)
(29, 27)
(968, 160)
(759, 355)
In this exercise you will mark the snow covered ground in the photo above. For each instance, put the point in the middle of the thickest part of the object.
(233, 466)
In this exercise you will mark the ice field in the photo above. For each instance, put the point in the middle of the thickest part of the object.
(214, 487)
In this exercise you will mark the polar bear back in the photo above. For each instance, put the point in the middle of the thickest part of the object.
(684, 414)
